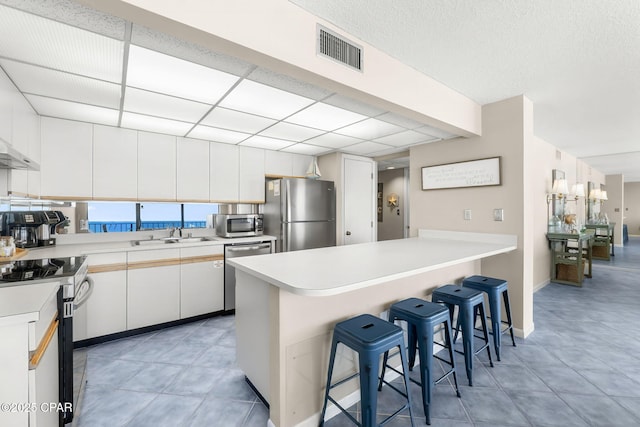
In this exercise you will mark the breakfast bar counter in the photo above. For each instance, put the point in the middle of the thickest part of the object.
(288, 303)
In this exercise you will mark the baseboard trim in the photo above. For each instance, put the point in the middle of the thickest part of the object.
(541, 285)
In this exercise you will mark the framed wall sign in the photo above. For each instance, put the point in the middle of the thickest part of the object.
(473, 173)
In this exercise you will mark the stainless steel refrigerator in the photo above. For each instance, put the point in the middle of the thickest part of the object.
(301, 213)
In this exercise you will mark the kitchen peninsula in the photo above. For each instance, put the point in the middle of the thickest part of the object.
(288, 303)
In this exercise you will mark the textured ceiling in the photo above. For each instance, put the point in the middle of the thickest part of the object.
(576, 60)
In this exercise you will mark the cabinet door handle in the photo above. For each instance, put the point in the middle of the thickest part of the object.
(348, 233)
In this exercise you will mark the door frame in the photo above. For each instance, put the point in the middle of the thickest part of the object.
(374, 180)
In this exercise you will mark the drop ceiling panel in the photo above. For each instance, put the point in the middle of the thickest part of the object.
(370, 129)
(73, 110)
(161, 73)
(61, 85)
(266, 143)
(170, 107)
(325, 117)
(154, 124)
(366, 148)
(291, 132)
(302, 148)
(40, 41)
(169, 45)
(236, 120)
(263, 100)
(399, 120)
(217, 135)
(429, 130)
(333, 140)
(408, 137)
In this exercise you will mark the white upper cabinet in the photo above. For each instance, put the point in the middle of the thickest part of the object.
(26, 139)
(223, 172)
(282, 164)
(115, 163)
(156, 167)
(193, 170)
(7, 89)
(65, 166)
(251, 180)
(278, 163)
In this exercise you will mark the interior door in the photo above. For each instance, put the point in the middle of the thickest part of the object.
(359, 201)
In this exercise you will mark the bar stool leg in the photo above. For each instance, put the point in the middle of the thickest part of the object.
(334, 345)
(449, 342)
(467, 339)
(426, 369)
(405, 372)
(496, 321)
(483, 319)
(505, 296)
(368, 390)
(412, 341)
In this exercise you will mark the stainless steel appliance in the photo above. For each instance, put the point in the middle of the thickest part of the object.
(301, 213)
(239, 225)
(75, 288)
(235, 250)
(31, 228)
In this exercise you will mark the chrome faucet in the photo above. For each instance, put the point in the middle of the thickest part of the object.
(172, 230)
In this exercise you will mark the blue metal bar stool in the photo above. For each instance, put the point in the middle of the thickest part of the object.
(470, 303)
(494, 288)
(371, 337)
(422, 318)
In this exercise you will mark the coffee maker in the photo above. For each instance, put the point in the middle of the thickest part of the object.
(31, 229)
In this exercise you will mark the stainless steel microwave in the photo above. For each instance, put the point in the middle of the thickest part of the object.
(238, 225)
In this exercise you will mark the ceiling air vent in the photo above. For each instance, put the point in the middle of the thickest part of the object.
(339, 49)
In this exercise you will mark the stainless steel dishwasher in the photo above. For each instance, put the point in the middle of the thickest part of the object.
(235, 250)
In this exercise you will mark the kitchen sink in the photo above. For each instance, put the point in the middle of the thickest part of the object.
(165, 240)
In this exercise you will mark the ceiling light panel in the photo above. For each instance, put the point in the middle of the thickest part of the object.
(325, 117)
(40, 41)
(366, 148)
(217, 135)
(73, 110)
(370, 129)
(170, 107)
(236, 120)
(263, 100)
(154, 124)
(166, 74)
(291, 132)
(333, 140)
(311, 150)
(169, 45)
(57, 84)
(266, 143)
(406, 138)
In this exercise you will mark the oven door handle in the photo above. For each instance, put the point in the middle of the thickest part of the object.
(249, 248)
(84, 291)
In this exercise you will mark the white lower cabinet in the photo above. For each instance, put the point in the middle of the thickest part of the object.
(153, 287)
(201, 280)
(105, 310)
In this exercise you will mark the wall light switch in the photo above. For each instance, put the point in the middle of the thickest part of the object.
(498, 214)
(467, 214)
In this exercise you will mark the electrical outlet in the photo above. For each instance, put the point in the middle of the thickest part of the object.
(467, 214)
(498, 214)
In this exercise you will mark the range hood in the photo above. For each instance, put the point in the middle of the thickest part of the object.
(10, 158)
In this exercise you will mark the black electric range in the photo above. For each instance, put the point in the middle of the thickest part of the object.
(75, 288)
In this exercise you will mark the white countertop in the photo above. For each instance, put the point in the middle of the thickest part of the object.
(87, 248)
(338, 269)
(22, 304)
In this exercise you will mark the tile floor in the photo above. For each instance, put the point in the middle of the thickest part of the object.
(581, 367)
